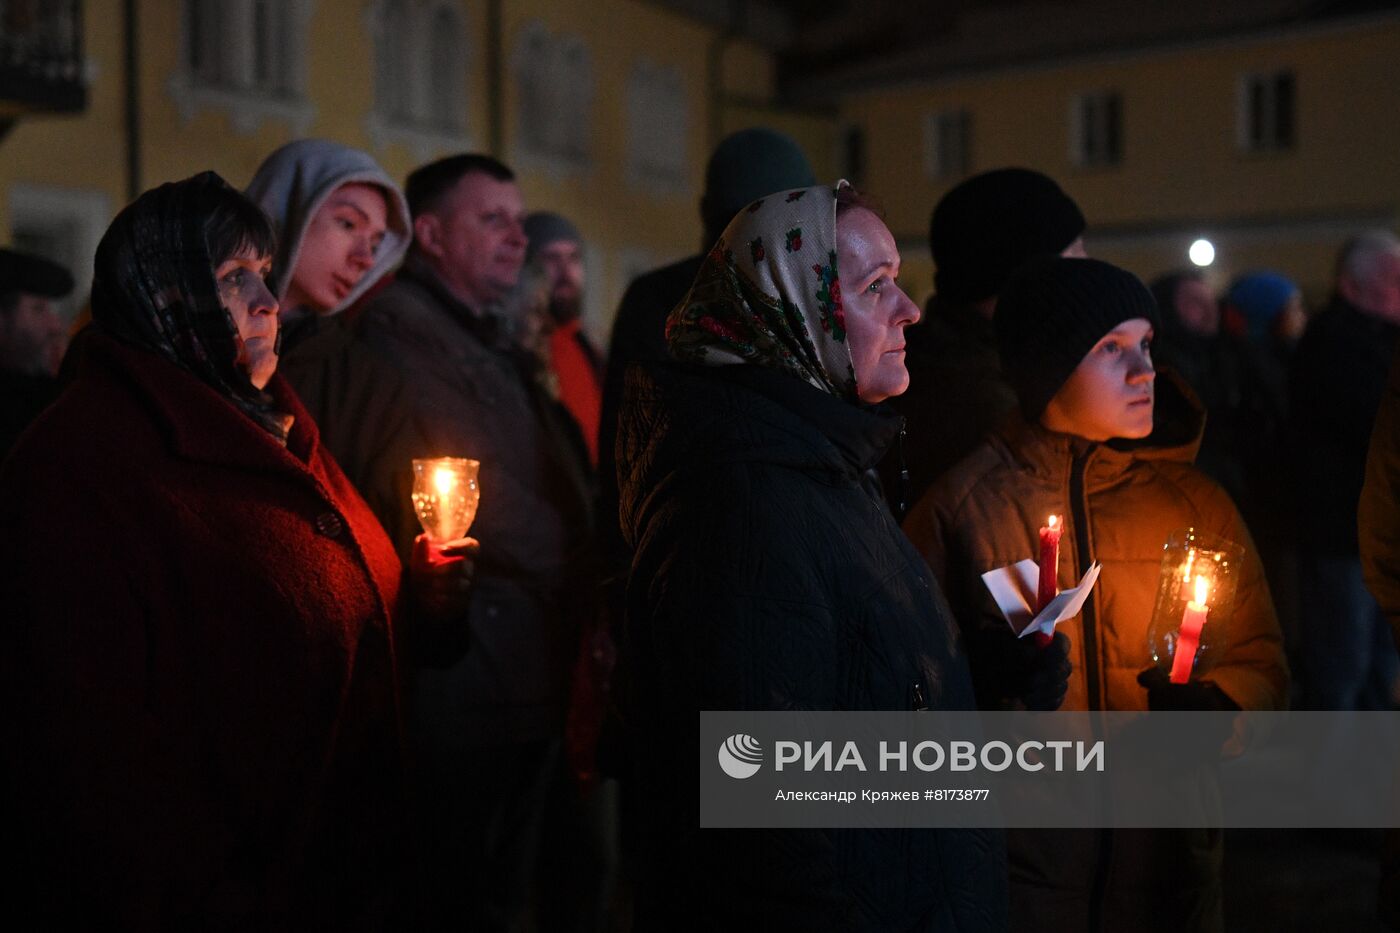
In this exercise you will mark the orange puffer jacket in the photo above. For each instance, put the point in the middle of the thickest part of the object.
(1120, 503)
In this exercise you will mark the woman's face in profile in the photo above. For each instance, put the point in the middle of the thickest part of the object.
(244, 293)
(876, 308)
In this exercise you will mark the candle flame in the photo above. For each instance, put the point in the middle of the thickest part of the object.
(1190, 561)
(1202, 590)
(444, 480)
(1052, 521)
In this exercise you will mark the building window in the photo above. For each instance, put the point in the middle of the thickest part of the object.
(393, 53)
(245, 57)
(947, 139)
(1267, 112)
(554, 98)
(421, 63)
(201, 45)
(1096, 129)
(658, 128)
(446, 103)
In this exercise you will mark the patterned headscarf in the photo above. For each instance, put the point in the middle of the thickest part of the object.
(153, 286)
(768, 294)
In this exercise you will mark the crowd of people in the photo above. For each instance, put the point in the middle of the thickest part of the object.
(244, 691)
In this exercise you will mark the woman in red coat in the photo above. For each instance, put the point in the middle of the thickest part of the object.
(197, 655)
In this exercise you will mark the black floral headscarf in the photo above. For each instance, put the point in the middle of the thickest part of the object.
(154, 286)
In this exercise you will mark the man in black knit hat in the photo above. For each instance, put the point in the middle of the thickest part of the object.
(30, 336)
(981, 231)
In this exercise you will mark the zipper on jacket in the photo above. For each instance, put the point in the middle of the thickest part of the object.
(1079, 507)
(901, 505)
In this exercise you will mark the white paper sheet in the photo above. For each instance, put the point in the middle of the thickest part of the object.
(1014, 589)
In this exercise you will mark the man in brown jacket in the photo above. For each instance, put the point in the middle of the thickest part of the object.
(1100, 440)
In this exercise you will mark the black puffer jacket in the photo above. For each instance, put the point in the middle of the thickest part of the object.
(768, 576)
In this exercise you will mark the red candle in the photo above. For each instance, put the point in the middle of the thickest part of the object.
(1189, 635)
(1049, 585)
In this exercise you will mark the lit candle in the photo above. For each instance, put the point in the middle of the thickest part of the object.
(1049, 585)
(1189, 635)
(445, 496)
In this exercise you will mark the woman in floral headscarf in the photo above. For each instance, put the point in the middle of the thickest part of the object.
(770, 575)
(197, 653)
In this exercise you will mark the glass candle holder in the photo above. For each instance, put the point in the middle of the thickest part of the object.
(445, 496)
(1195, 602)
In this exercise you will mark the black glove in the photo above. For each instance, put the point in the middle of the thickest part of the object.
(1193, 696)
(1205, 738)
(1007, 670)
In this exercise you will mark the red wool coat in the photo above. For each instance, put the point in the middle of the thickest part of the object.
(201, 722)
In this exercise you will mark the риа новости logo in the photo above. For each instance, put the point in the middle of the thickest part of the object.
(740, 756)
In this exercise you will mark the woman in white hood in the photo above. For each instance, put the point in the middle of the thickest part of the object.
(342, 225)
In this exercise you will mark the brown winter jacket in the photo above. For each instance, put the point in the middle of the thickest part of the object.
(1120, 502)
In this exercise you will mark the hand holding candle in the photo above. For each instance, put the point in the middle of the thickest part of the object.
(1189, 635)
(441, 570)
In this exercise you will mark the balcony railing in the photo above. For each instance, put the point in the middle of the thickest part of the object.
(41, 56)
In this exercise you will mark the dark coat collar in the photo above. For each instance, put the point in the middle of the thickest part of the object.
(484, 325)
(197, 422)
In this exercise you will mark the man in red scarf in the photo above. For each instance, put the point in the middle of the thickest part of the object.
(557, 250)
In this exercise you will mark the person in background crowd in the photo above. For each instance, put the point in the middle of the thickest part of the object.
(1262, 318)
(1099, 427)
(342, 226)
(556, 249)
(1266, 307)
(489, 729)
(1336, 384)
(769, 575)
(582, 860)
(197, 658)
(29, 332)
(980, 232)
(745, 166)
(1191, 345)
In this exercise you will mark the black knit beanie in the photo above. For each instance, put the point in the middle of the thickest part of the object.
(986, 227)
(1052, 312)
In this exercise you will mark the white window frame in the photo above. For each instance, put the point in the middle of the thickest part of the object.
(414, 127)
(558, 69)
(232, 89)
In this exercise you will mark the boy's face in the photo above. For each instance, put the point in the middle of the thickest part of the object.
(1110, 393)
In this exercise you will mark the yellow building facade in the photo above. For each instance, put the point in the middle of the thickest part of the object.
(606, 110)
(1185, 167)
